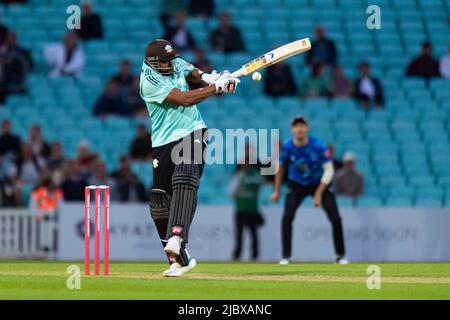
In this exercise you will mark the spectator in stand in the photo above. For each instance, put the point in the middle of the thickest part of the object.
(141, 147)
(341, 86)
(169, 8)
(315, 86)
(13, 1)
(279, 81)
(10, 144)
(444, 65)
(202, 63)
(26, 171)
(201, 8)
(226, 38)
(323, 50)
(66, 58)
(74, 183)
(178, 34)
(128, 185)
(337, 164)
(28, 165)
(100, 176)
(9, 195)
(110, 102)
(3, 33)
(131, 103)
(368, 89)
(348, 181)
(424, 65)
(85, 158)
(91, 23)
(134, 104)
(124, 79)
(56, 159)
(15, 63)
(56, 163)
(37, 142)
(12, 48)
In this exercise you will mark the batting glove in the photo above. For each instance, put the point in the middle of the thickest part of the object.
(226, 85)
(210, 78)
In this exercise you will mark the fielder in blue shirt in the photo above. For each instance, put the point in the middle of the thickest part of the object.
(309, 168)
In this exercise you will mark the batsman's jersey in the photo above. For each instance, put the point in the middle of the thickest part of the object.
(169, 122)
(304, 164)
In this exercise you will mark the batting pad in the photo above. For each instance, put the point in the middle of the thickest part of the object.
(159, 204)
(185, 182)
(159, 210)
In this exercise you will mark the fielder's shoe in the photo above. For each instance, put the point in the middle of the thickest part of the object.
(173, 245)
(284, 261)
(176, 270)
(342, 260)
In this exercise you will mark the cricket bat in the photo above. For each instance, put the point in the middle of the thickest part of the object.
(274, 56)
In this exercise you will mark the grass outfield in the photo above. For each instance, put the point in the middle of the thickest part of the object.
(47, 280)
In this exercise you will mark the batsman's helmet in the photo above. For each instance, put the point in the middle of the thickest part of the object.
(161, 50)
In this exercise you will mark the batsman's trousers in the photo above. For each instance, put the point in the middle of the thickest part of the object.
(163, 166)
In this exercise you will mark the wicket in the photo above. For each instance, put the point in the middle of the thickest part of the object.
(87, 221)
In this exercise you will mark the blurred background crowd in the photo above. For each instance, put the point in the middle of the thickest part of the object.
(81, 77)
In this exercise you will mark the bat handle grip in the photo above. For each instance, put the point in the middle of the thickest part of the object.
(237, 73)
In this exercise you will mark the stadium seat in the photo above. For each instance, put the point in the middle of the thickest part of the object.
(422, 180)
(428, 203)
(398, 202)
(368, 201)
(403, 149)
(444, 179)
(447, 197)
(393, 181)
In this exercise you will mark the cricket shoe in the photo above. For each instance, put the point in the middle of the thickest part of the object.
(176, 270)
(173, 245)
(342, 260)
(284, 261)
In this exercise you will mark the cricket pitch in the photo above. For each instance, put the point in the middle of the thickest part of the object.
(142, 280)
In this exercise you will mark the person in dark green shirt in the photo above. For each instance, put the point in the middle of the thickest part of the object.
(245, 187)
(315, 85)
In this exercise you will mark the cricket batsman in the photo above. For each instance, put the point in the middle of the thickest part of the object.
(176, 120)
(309, 167)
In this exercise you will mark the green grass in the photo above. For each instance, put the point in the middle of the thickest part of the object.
(47, 280)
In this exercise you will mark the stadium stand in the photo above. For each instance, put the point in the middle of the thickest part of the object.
(403, 149)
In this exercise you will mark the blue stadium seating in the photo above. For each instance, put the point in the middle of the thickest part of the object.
(403, 149)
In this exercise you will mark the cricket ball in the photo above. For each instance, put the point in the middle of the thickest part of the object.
(256, 76)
